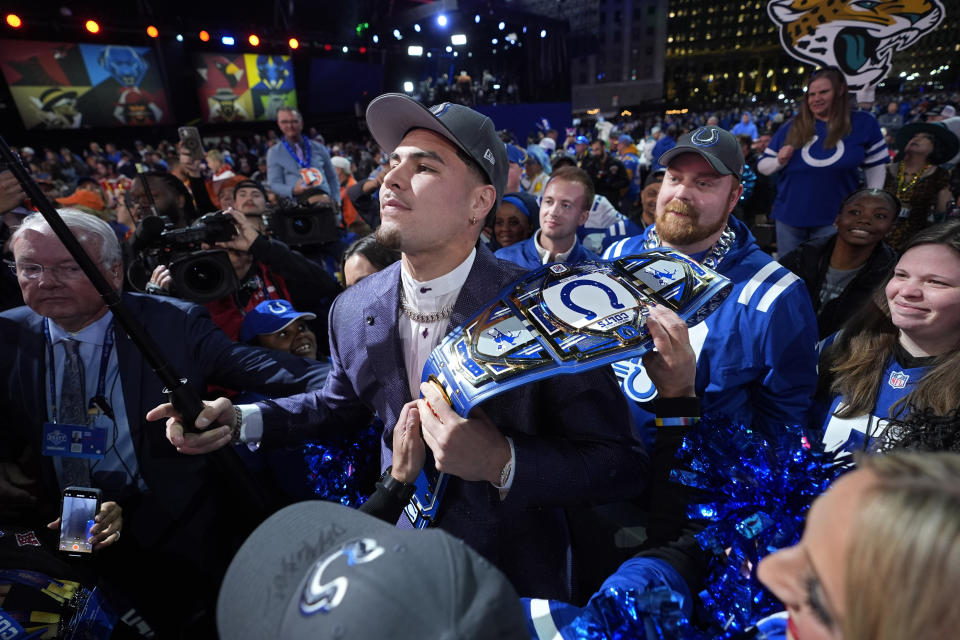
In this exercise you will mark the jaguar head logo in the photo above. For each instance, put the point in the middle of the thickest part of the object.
(857, 36)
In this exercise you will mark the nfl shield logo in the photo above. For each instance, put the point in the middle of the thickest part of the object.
(898, 379)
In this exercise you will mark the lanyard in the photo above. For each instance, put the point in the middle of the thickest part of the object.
(101, 379)
(307, 152)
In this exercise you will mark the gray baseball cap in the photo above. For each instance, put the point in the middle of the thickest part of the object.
(715, 145)
(392, 115)
(322, 570)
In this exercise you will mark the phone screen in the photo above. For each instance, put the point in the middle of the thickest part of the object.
(77, 518)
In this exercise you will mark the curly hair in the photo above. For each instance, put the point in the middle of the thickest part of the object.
(921, 430)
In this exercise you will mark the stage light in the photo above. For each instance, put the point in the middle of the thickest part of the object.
(328, 47)
(458, 38)
(408, 86)
(524, 29)
(254, 40)
(543, 33)
(396, 34)
(14, 20)
(293, 43)
(502, 26)
(228, 41)
(416, 28)
(179, 37)
(91, 26)
(496, 87)
(414, 50)
(456, 53)
(152, 31)
(429, 54)
(442, 20)
(476, 18)
(449, 48)
(345, 49)
(376, 39)
(494, 41)
(204, 36)
(362, 50)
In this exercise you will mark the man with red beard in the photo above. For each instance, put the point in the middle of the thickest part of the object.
(756, 359)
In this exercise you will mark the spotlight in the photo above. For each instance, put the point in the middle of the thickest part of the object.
(408, 86)
(228, 41)
(254, 40)
(376, 39)
(502, 26)
(416, 28)
(494, 41)
(456, 53)
(396, 34)
(429, 54)
(328, 47)
(91, 26)
(14, 20)
(152, 31)
(524, 29)
(179, 37)
(449, 48)
(414, 50)
(543, 33)
(442, 20)
(496, 87)
(362, 50)
(476, 18)
(204, 36)
(345, 49)
(458, 39)
(293, 43)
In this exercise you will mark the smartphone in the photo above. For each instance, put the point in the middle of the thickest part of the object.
(79, 507)
(190, 137)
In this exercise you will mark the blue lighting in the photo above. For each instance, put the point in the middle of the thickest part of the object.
(494, 41)
(227, 40)
(396, 34)
(416, 28)
(376, 39)
(442, 20)
(502, 26)
(179, 37)
(476, 18)
(543, 33)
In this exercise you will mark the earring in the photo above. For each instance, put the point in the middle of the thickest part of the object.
(473, 220)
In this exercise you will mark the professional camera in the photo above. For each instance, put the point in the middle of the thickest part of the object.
(199, 275)
(299, 225)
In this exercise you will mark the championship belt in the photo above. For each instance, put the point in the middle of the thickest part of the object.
(560, 319)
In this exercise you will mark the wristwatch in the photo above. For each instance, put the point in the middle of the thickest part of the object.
(402, 491)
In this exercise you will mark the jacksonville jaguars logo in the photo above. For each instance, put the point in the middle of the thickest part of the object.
(857, 36)
(705, 137)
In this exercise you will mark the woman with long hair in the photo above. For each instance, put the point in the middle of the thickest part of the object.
(818, 154)
(901, 352)
(916, 178)
(880, 555)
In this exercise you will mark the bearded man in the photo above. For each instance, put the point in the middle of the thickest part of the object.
(756, 357)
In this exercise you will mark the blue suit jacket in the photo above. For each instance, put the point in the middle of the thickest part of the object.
(194, 346)
(572, 434)
(283, 171)
(525, 254)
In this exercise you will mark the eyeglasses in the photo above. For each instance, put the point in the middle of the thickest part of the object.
(32, 271)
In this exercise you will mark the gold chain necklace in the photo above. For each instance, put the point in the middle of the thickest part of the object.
(903, 189)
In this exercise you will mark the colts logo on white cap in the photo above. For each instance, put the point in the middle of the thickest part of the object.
(488, 156)
(705, 137)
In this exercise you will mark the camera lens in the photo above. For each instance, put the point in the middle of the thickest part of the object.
(301, 225)
(203, 277)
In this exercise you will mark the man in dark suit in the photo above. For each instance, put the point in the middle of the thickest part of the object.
(531, 452)
(297, 166)
(175, 517)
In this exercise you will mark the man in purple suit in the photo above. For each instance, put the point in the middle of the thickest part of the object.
(532, 452)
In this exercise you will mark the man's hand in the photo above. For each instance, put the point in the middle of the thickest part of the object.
(106, 530)
(784, 155)
(472, 449)
(299, 188)
(409, 451)
(219, 413)
(160, 278)
(246, 232)
(673, 366)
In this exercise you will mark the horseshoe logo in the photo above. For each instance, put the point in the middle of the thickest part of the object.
(818, 162)
(568, 288)
(277, 307)
(705, 137)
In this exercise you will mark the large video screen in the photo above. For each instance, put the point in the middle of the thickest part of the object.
(64, 85)
(244, 86)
